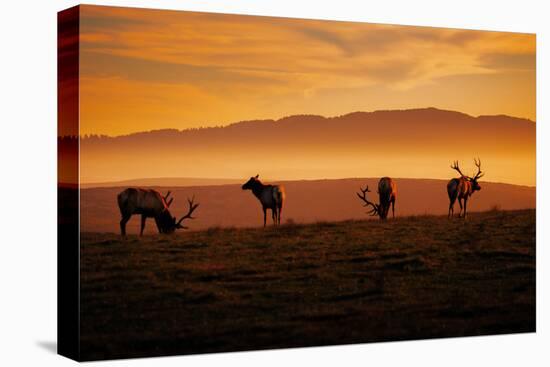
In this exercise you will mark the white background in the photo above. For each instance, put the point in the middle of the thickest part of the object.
(28, 182)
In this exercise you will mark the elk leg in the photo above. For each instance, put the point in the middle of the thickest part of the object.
(274, 215)
(464, 213)
(279, 215)
(123, 222)
(264, 215)
(451, 206)
(393, 208)
(460, 203)
(143, 218)
(158, 224)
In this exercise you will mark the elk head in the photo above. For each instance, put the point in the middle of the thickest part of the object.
(250, 183)
(473, 180)
(375, 208)
(170, 224)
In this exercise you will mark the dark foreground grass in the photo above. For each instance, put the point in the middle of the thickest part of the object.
(304, 285)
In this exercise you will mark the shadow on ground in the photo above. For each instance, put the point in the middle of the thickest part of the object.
(50, 346)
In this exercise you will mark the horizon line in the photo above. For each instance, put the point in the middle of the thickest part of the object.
(269, 179)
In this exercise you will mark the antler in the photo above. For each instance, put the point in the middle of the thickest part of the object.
(455, 167)
(363, 197)
(192, 208)
(479, 174)
(166, 198)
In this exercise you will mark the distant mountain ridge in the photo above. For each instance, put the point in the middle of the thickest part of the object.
(399, 143)
(318, 118)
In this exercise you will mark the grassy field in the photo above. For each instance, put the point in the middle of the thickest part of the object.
(304, 285)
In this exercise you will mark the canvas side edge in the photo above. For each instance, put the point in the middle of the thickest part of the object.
(68, 240)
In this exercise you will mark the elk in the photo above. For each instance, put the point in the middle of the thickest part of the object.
(270, 196)
(387, 193)
(462, 188)
(150, 204)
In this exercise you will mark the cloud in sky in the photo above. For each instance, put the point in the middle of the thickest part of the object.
(147, 69)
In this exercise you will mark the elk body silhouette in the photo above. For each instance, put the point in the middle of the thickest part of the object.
(270, 196)
(462, 188)
(387, 194)
(150, 204)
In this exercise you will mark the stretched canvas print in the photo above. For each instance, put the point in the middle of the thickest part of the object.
(232, 182)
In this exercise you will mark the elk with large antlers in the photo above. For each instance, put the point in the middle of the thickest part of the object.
(387, 193)
(150, 204)
(270, 196)
(462, 188)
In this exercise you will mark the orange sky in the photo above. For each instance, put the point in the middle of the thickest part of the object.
(149, 69)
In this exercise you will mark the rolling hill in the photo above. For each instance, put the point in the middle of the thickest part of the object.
(304, 285)
(307, 202)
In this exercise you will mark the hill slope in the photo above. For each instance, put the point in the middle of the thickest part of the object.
(318, 284)
(306, 202)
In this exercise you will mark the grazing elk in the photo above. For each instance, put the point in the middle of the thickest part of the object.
(270, 196)
(150, 204)
(387, 193)
(462, 188)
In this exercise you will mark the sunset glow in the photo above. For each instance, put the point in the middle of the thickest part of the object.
(146, 69)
